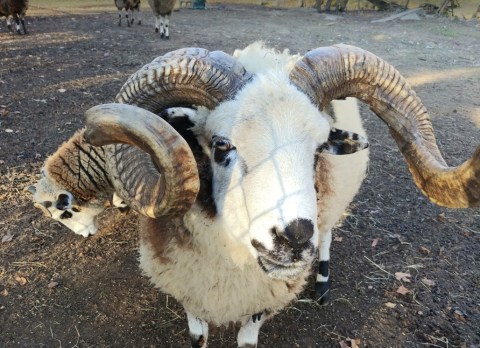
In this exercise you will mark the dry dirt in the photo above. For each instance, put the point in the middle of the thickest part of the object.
(58, 289)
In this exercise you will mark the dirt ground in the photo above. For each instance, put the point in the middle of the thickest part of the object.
(58, 289)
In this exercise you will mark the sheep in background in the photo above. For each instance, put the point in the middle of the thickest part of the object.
(15, 9)
(128, 5)
(162, 9)
(238, 197)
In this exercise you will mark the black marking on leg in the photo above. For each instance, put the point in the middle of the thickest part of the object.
(197, 342)
(257, 316)
(322, 288)
(323, 268)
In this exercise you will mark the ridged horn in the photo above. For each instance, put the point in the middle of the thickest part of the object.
(185, 77)
(165, 184)
(341, 71)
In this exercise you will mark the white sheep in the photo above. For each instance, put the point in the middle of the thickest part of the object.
(15, 9)
(128, 5)
(239, 196)
(162, 9)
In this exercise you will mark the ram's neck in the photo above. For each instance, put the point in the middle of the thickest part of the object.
(80, 168)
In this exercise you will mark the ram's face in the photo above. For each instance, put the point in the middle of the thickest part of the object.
(59, 204)
(263, 148)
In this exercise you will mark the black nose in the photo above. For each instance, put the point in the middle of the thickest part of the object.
(299, 232)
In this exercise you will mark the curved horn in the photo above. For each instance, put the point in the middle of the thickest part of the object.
(344, 71)
(185, 77)
(166, 188)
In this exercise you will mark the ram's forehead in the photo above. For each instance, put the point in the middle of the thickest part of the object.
(271, 108)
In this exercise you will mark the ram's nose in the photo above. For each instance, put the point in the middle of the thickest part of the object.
(299, 232)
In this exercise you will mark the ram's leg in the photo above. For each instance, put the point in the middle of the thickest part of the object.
(126, 17)
(139, 19)
(17, 22)
(162, 26)
(9, 24)
(198, 330)
(248, 334)
(166, 22)
(157, 23)
(119, 18)
(322, 285)
(22, 19)
(133, 16)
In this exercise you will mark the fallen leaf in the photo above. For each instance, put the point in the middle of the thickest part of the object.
(375, 242)
(51, 285)
(344, 344)
(428, 282)
(403, 290)
(441, 217)
(8, 130)
(4, 292)
(424, 250)
(7, 238)
(4, 112)
(21, 280)
(337, 239)
(459, 315)
(62, 90)
(390, 305)
(403, 276)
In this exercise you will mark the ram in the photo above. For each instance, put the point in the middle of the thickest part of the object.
(162, 9)
(15, 9)
(128, 5)
(239, 196)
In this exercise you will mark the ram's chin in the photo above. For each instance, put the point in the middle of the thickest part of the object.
(284, 272)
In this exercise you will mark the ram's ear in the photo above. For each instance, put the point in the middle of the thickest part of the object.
(342, 142)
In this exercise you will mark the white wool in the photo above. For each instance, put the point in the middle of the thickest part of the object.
(216, 278)
(258, 58)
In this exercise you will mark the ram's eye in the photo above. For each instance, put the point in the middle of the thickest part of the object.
(221, 143)
(221, 148)
(66, 215)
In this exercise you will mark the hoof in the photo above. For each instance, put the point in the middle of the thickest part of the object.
(139, 22)
(197, 342)
(162, 35)
(156, 30)
(10, 28)
(322, 291)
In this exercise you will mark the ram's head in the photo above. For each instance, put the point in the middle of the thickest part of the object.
(248, 159)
